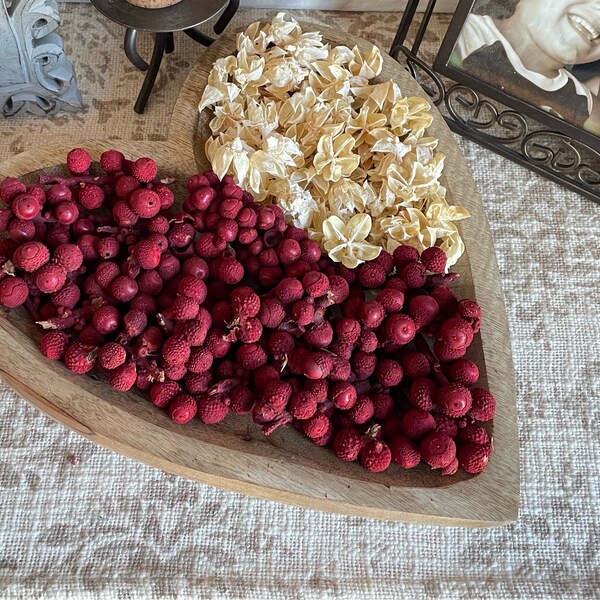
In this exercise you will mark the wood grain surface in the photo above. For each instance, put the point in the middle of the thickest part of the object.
(285, 467)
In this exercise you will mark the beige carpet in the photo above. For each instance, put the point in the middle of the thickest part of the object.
(111, 528)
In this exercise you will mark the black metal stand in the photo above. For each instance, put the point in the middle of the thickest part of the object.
(522, 139)
(184, 16)
(164, 43)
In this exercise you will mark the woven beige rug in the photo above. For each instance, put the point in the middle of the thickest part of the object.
(108, 527)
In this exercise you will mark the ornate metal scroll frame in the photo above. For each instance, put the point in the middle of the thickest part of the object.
(35, 75)
(504, 130)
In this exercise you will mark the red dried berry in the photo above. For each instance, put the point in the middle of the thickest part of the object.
(245, 302)
(91, 196)
(162, 392)
(445, 298)
(182, 408)
(422, 393)
(288, 251)
(111, 356)
(469, 309)
(53, 344)
(106, 319)
(277, 394)
(456, 333)
(78, 161)
(343, 395)
(144, 169)
(423, 309)
(212, 409)
(123, 288)
(123, 215)
(417, 423)
(473, 458)
(454, 400)
(241, 399)
(391, 299)
(438, 450)
(462, 371)
(347, 444)
(134, 323)
(371, 314)
(434, 259)
(414, 275)
(251, 356)
(363, 364)
(389, 372)
(230, 271)
(271, 313)
(302, 405)
(339, 290)
(451, 468)
(375, 456)
(80, 358)
(112, 161)
(367, 342)
(371, 275)
(147, 254)
(145, 203)
(319, 335)
(175, 351)
(405, 254)
(69, 257)
(347, 330)
(288, 290)
(362, 410)
(474, 433)
(31, 256)
(303, 312)
(405, 451)
(399, 329)
(315, 284)
(446, 353)
(316, 426)
(415, 364)
(445, 424)
(484, 405)
(123, 378)
(50, 278)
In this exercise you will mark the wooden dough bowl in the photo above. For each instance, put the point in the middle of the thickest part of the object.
(284, 467)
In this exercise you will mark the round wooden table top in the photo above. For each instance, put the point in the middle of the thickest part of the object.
(180, 16)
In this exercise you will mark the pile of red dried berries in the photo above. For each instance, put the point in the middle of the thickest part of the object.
(224, 307)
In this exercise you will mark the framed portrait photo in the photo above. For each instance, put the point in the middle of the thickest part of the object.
(538, 57)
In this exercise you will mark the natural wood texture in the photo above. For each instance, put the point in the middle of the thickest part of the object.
(284, 467)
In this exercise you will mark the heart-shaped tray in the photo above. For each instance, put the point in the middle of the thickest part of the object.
(285, 466)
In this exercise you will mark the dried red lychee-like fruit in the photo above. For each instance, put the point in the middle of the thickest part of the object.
(123, 377)
(162, 392)
(347, 444)
(53, 344)
(454, 400)
(50, 278)
(473, 458)
(434, 259)
(78, 161)
(80, 358)
(484, 404)
(145, 203)
(417, 423)
(111, 356)
(405, 451)
(399, 329)
(462, 371)
(30, 256)
(438, 450)
(456, 333)
(182, 408)
(315, 284)
(144, 169)
(375, 456)
(371, 275)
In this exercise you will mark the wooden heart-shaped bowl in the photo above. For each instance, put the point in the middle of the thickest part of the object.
(285, 466)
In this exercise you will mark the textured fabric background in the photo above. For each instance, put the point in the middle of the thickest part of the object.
(108, 527)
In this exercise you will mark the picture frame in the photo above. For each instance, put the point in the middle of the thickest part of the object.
(442, 65)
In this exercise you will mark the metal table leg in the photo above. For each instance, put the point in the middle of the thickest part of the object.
(199, 37)
(131, 50)
(160, 44)
(170, 47)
